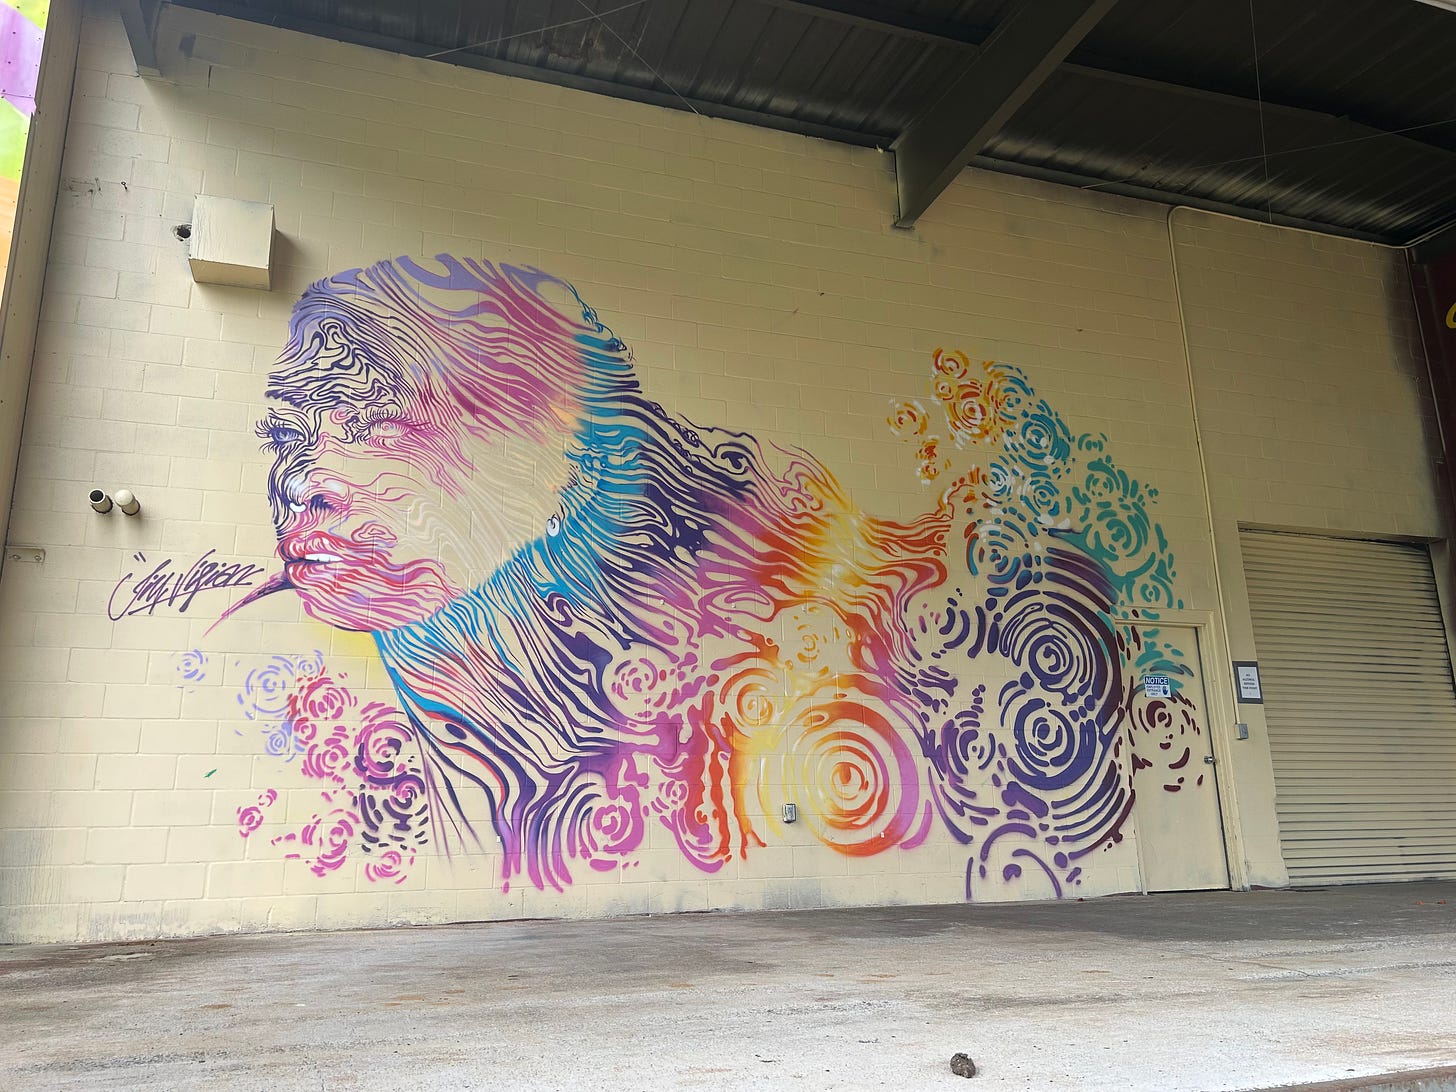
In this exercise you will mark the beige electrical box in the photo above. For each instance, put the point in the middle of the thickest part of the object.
(232, 242)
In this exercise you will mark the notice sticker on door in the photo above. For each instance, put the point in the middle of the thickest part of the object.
(1157, 686)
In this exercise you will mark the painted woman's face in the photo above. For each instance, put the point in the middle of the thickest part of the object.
(388, 499)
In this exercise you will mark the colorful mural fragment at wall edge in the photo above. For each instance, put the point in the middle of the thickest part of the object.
(22, 37)
(607, 627)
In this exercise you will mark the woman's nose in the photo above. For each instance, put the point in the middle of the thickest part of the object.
(320, 492)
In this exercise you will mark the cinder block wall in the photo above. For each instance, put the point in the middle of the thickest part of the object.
(159, 776)
(1314, 408)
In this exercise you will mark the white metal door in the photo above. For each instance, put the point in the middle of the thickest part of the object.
(1360, 706)
(1175, 811)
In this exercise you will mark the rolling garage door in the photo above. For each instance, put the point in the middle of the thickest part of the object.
(1360, 706)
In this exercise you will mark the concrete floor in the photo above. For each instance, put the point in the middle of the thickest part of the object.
(1210, 991)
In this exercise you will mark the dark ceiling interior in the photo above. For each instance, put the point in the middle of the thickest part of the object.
(1338, 116)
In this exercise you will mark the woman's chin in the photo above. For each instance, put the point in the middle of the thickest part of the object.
(367, 606)
(367, 617)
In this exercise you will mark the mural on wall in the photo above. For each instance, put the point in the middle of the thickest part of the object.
(606, 626)
(22, 35)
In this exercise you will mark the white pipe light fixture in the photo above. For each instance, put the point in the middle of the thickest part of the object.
(125, 500)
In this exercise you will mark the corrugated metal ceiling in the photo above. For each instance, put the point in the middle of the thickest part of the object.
(1347, 123)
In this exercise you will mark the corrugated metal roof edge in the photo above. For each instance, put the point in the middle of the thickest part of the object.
(671, 100)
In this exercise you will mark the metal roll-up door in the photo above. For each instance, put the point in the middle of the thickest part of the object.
(1360, 705)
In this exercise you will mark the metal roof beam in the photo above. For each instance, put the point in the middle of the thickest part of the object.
(1024, 49)
(875, 16)
(968, 38)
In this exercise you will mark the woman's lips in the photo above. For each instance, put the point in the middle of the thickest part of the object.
(321, 548)
(368, 543)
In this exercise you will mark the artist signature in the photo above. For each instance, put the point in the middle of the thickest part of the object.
(165, 586)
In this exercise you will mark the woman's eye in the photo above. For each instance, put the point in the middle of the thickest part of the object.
(279, 434)
(386, 428)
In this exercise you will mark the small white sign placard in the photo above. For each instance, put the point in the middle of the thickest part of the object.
(1157, 686)
(1246, 674)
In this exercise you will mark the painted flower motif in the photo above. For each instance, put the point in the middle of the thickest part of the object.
(1040, 439)
(391, 865)
(1153, 586)
(950, 362)
(846, 766)
(330, 758)
(1061, 639)
(932, 463)
(814, 630)
(280, 739)
(192, 666)
(1003, 483)
(1118, 533)
(1113, 520)
(1053, 742)
(1004, 546)
(753, 699)
(672, 794)
(1164, 733)
(908, 419)
(393, 813)
(639, 688)
(322, 699)
(251, 818)
(972, 403)
(1043, 497)
(304, 731)
(960, 753)
(328, 836)
(968, 412)
(1013, 393)
(266, 690)
(616, 828)
(383, 746)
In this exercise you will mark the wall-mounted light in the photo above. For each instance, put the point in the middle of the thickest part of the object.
(100, 501)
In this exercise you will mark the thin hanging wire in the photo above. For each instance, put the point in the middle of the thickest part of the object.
(1259, 94)
(537, 30)
(1297, 150)
(642, 60)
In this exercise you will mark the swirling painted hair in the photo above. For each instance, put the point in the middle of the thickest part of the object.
(701, 627)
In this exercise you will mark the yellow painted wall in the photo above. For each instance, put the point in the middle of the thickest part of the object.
(1314, 408)
(148, 786)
